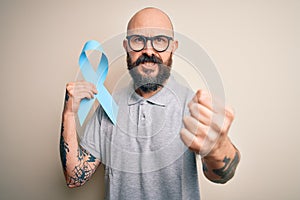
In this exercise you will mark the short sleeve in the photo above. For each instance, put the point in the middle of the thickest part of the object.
(91, 139)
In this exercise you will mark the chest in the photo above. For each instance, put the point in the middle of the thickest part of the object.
(145, 138)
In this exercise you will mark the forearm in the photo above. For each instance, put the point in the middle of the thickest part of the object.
(220, 165)
(68, 144)
(78, 165)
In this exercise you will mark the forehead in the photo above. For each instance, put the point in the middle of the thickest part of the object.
(150, 32)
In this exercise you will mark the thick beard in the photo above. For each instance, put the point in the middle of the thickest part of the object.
(149, 83)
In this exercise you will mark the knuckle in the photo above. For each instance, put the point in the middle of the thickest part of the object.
(69, 85)
(185, 119)
(182, 133)
(206, 129)
(202, 93)
(193, 106)
(197, 143)
(210, 119)
(229, 113)
(198, 128)
(70, 88)
(231, 116)
(190, 104)
(88, 95)
(199, 92)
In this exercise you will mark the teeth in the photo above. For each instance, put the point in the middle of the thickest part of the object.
(149, 63)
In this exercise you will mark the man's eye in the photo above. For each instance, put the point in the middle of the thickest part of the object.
(160, 39)
(137, 39)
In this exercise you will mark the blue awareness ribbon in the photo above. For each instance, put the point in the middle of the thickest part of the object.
(97, 78)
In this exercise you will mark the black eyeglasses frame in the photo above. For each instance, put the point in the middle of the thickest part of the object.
(145, 39)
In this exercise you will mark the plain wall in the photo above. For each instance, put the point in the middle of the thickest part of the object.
(254, 44)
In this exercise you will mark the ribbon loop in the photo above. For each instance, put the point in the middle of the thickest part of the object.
(97, 78)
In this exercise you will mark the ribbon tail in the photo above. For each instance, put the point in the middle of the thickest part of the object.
(108, 104)
(84, 109)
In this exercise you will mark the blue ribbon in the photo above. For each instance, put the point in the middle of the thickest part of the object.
(97, 78)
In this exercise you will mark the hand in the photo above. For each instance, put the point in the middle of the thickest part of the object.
(201, 134)
(75, 92)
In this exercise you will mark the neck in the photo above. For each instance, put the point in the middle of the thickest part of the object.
(147, 95)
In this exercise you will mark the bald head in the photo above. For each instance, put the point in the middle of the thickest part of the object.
(150, 18)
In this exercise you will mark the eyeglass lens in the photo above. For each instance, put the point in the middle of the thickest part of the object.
(159, 43)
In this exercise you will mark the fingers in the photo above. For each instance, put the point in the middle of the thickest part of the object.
(229, 117)
(201, 113)
(199, 130)
(199, 144)
(194, 134)
(195, 127)
(229, 112)
(190, 140)
(81, 89)
(204, 110)
(207, 124)
(204, 98)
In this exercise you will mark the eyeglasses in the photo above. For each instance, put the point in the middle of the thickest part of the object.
(160, 43)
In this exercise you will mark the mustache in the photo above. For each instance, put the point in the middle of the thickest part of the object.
(146, 58)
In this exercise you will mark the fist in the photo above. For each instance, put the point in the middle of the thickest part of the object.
(202, 133)
(75, 92)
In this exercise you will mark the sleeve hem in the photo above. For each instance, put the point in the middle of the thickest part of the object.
(90, 150)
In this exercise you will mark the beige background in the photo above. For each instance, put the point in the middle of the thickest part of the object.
(255, 45)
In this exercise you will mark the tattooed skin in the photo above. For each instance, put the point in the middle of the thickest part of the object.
(84, 170)
(86, 162)
(64, 148)
(227, 172)
(67, 96)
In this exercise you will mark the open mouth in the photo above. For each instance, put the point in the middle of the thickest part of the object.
(149, 67)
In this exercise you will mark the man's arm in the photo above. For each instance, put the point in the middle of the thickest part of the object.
(78, 164)
(219, 156)
(219, 165)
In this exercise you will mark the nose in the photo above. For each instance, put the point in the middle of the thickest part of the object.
(148, 48)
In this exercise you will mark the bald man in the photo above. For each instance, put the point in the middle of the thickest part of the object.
(161, 126)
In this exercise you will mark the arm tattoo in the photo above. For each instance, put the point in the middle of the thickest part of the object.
(227, 172)
(84, 170)
(67, 96)
(64, 148)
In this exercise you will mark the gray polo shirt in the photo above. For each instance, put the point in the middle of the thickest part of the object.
(143, 154)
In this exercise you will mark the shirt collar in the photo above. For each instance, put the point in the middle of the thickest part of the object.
(160, 98)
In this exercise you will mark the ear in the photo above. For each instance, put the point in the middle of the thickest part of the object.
(174, 46)
(125, 45)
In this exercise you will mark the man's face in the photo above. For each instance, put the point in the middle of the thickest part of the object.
(149, 66)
